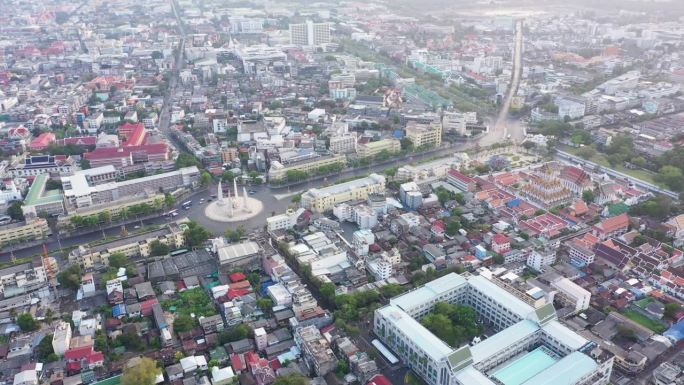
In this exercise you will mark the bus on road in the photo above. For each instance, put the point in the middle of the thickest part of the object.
(172, 213)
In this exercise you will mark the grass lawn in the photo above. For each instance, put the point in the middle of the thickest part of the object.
(644, 321)
(599, 158)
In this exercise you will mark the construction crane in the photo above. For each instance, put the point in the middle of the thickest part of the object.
(50, 266)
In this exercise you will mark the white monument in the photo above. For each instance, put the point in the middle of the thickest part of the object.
(232, 208)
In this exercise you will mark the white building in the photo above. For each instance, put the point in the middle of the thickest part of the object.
(571, 107)
(279, 295)
(61, 338)
(285, 221)
(379, 268)
(573, 292)
(310, 33)
(361, 240)
(260, 338)
(344, 143)
(540, 259)
(525, 333)
(364, 216)
(322, 199)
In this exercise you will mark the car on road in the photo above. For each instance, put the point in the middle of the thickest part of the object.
(136, 226)
(251, 192)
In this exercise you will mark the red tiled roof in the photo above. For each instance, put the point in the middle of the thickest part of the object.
(379, 379)
(454, 173)
(237, 277)
(95, 357)
(500, 239)
(614, 223)
(232, 294)
(236, 362)
(78, 353)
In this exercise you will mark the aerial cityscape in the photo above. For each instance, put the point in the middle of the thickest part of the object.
(260, 192)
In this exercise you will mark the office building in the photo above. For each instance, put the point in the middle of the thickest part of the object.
(370, 149)
(323, 199)
(85, 188)
(343, 143)
(530, 346)
(310, 33)
(424, 135)
(410, 195)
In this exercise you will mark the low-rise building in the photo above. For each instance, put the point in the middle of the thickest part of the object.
(316, 351)
(278, 170)
(40, 200)
(425, 135)
(323, 199)
(460, 181)
(370, 149)
(32, 229)
(90, 257)
(61, 338)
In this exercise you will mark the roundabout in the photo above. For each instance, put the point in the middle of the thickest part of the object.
(233, 208)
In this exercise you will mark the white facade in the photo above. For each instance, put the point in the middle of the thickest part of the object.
(310, 33)
(343, 144)
(380, 269)
(361, 240)
(285, 221)
(574, 292)
(61, 339)
(540, 259)
(365, 217)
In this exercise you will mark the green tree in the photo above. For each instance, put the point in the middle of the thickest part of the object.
(671, 310)
(237, 333)
(71, 277)
(234, 235)
(184, 323)
(328, 291)
(195, 234)
(228, 176)
(291, 379)
(85, 164)
(265, 304)
(186, 160)
(145, 372)
(117, 260)
(342, 368)
(169, 200)
(672, 177)
(588, 196)
(205, 179)
(158, 248)
(391, 290)
(45, 349)
(406, 144)
(27, 323)
(15, 212)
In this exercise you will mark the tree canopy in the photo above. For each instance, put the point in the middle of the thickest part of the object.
(453, 324)
(145, 372)
(27, 323)
(196, 234)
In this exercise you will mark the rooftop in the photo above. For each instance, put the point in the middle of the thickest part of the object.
(38, 195)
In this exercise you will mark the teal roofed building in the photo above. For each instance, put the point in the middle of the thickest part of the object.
(530, 346)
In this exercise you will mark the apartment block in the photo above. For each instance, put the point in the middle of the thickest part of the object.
(370, 149)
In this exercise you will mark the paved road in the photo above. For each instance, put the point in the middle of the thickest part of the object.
(502, 126)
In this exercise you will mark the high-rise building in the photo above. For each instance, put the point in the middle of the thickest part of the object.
(310, 33)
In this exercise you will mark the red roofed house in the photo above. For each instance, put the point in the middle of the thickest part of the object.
(460, 181)
(501, 244)
(379, 379)
(438, 228)
(83, 358)
(136, 137)
(575, 179)
(261, 370)
(42, 141)
(237, 277)
(611, 227)
(237, 361)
